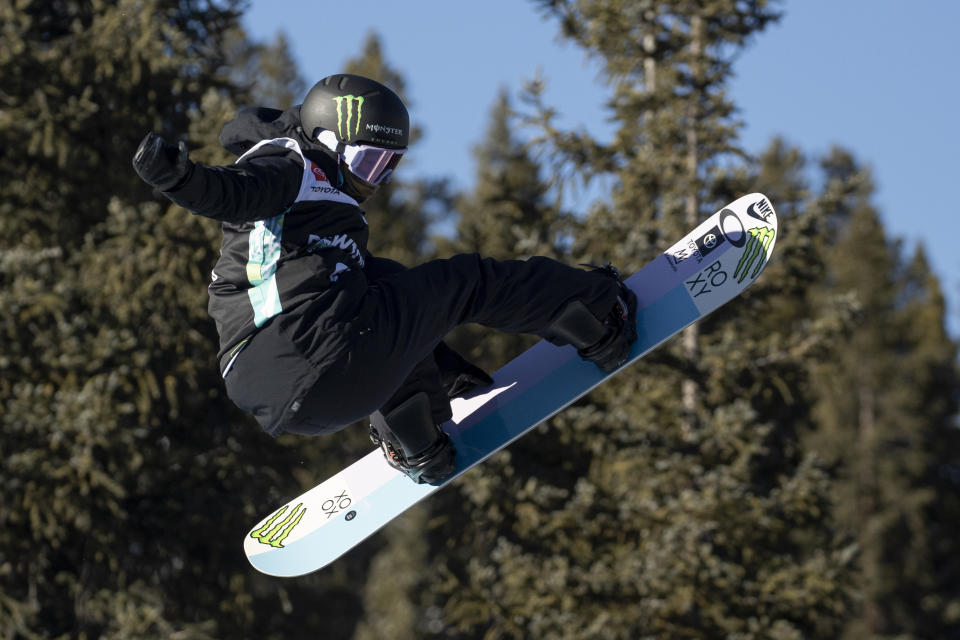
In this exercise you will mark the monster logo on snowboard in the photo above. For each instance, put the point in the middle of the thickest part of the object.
(712, 265)
(274, 535)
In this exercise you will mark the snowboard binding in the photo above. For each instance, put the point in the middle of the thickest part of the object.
(604, 342)
(412, 442)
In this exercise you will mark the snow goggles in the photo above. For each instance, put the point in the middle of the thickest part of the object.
(371, 164)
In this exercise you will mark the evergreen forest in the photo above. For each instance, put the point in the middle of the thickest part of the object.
(788, 468)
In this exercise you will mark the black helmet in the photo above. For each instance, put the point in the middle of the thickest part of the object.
(358, 110)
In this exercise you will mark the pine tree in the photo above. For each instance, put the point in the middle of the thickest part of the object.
(508, 213)
(80, 85)
(277, 80)
(884, 397)
(926, 599)
(88, 398)
(127, 477)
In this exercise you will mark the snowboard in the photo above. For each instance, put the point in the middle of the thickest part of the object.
(712, 265)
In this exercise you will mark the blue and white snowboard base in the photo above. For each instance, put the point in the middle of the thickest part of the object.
(709, 267)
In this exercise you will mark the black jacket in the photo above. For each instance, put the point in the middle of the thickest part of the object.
(290, 236)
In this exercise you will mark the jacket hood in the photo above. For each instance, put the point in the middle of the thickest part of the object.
(254, 124)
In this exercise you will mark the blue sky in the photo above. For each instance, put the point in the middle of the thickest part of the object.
(878, 77)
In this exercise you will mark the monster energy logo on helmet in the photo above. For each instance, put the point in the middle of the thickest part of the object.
(349, 100)
(358, 110)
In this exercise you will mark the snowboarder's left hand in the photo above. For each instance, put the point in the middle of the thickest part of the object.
(457, 375)
(161, 164)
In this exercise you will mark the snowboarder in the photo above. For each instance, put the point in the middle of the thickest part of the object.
(316, 333)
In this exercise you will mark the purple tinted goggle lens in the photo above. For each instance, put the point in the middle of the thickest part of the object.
(372, 164)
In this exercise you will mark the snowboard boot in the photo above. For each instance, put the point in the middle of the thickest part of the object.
(412, 442)
(605, 342)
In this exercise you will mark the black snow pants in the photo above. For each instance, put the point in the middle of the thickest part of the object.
(400, 321)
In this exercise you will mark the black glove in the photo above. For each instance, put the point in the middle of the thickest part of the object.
(457, 375)
(161, 164)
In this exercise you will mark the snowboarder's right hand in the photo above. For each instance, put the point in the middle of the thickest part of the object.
(161, 164)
